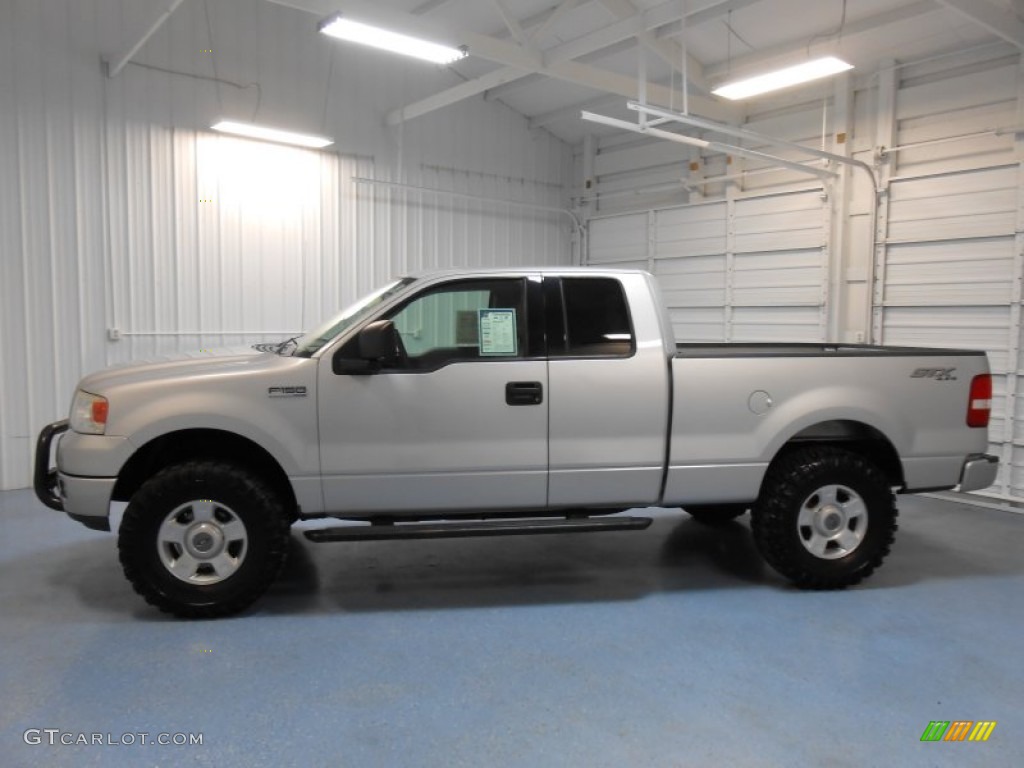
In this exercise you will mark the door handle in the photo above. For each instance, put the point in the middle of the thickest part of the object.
(524, 393)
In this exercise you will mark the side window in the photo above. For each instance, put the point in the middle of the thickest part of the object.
(597, 320)
(464, 320)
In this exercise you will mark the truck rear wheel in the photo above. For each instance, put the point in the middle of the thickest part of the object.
(203, 539)
(825, 519)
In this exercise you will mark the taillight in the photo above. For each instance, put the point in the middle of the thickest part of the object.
(979, 406)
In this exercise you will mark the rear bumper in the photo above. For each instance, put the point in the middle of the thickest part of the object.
(979, 471)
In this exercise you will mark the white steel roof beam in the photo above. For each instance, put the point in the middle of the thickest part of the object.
(115, 66)
(558, 13)
(1000, 22)
(511, 23)
(784, 54)
(669, 51)
(557, 63)
(516, 60)
(573, 111)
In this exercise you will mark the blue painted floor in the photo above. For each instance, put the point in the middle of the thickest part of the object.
(670, 647)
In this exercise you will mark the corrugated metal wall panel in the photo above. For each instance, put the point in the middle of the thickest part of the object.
(118, 209)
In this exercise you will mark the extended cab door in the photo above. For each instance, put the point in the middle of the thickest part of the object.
(459, 421)
(609, 390)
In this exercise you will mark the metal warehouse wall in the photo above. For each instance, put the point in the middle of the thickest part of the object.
(774, 255)
(120, 210)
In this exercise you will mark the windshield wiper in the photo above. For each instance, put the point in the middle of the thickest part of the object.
(279, 349)
(275, 346)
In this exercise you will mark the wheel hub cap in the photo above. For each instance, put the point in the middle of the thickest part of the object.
(832, 522)
(202, 542)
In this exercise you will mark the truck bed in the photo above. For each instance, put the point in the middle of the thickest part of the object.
(732, 350)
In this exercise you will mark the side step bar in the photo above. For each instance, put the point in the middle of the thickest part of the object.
(460, 529)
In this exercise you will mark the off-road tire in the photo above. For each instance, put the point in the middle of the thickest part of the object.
(266, 530)
(790, 486)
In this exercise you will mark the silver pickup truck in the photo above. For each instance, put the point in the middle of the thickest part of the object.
(470, 403)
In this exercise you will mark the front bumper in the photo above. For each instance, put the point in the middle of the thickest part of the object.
(44, 478)
(979, 471)
(79, 497)
(83, 496)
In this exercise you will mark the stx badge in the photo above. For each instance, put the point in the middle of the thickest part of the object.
(939, 374)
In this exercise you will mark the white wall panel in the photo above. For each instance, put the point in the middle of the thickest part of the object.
(119, 209)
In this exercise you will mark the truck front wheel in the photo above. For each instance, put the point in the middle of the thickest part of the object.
(825, 518)
(203, 539)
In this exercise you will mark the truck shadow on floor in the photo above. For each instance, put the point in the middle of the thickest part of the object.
(675, 555)
(521, 570)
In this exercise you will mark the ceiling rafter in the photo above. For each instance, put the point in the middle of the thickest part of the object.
(668, 50)
(784, 54)
(559, 62)
(512, 24)
(998, 21)
(518, 61)
(573, 110)
(559, 12)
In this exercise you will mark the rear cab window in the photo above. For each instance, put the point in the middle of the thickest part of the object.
(594, 320)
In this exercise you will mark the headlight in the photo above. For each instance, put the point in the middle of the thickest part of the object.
(89, 413)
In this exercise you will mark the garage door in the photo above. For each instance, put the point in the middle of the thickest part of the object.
(744, 269)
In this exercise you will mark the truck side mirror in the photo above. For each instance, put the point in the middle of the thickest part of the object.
(378, 342)
(376, 345)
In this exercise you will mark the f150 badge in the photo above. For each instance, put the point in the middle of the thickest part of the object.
(939, 374)
(286, 391)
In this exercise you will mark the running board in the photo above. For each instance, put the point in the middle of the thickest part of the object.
(460, 529)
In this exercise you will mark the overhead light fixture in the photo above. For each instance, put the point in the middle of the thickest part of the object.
(251, 131)
(783, 78)
(357, 32)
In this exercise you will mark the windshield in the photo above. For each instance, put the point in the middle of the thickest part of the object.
(309, 344)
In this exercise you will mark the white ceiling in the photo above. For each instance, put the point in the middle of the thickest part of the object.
(568, 54)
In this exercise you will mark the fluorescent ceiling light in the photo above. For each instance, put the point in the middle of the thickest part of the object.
(272, 134)
(783, 78)
(357, 32)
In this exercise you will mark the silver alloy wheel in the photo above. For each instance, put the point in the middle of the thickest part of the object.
(202, 542)
(832, 522)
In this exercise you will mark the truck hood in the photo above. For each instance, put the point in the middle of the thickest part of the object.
(171, 370)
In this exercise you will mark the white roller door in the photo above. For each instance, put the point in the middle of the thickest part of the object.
(743, 269)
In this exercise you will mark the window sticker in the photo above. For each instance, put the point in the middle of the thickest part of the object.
(498, 333)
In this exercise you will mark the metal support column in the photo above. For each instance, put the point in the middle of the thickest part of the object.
(885, 136)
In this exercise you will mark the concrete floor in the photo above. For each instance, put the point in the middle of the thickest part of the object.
(670, 647)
